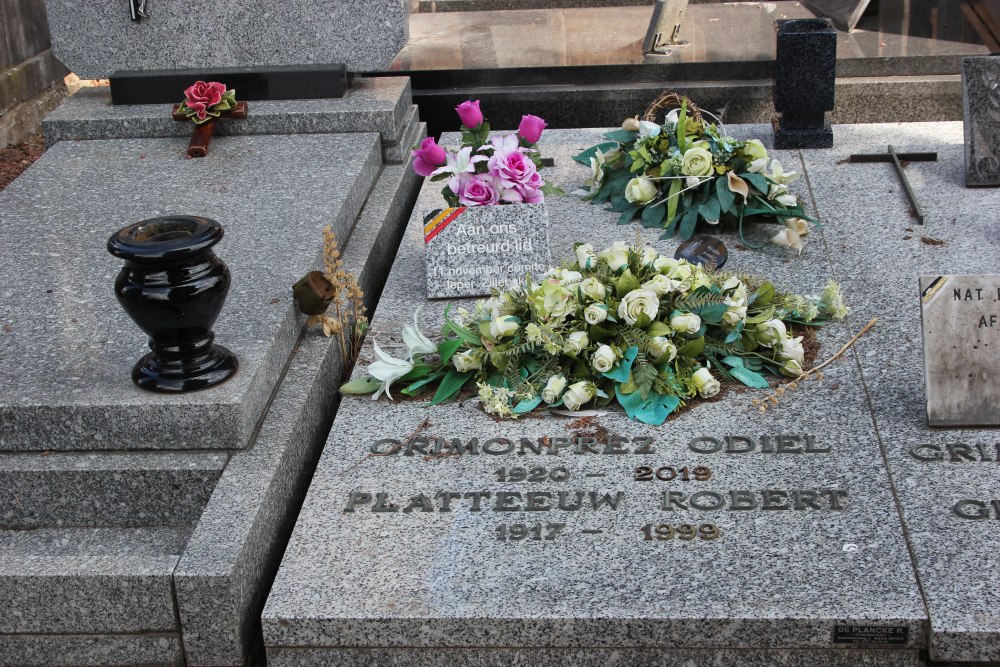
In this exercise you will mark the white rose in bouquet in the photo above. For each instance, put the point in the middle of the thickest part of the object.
(791, 349)
(660, 347)
(593, 289)
(575, 342)
(553, 389)
(603, 359)
(636, 303)
(706, 385)
(660, 285)
(770, 332)
(467, 361)
(585, 256)
(686, 323)
(641, 190)
(577, 394)
(503, 326)
(616, 256)
(595, 313)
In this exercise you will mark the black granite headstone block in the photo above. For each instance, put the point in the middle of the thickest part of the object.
(804, 82)
(291, 82)
(981, 113)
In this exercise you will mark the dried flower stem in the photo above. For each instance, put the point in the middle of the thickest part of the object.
(348, 320)
(762, 405)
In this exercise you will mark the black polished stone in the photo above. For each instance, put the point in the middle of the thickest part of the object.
(173, 286)
(804, 82)
(294, 82)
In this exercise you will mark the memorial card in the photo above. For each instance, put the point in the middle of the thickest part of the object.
(961, 328)
(471, 251)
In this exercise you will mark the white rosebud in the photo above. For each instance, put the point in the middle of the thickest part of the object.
(641, 190)
(734, 315)
(664, 264)
(503, 326)
(553, 389)
(686, 323)
(660, 347)
(706, 385)
(636, 303)
(593, 289)
(466, 361)
(585, 256)
(660, 285)
(649, 256)
(575, 342)
(791, 348)
(603, 359)
(770, 332)
(577, 394)
(692, 181)
(595, 313)
(630, 125)
(792, 369)
(616, 256)
(567, 277)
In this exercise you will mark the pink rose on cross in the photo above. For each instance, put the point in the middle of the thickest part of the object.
(202, 96)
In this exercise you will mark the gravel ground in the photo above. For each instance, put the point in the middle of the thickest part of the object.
(15, 159)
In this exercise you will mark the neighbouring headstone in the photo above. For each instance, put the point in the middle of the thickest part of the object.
(844, 13)
(961, 326)
(95, 39)
(471, 251)
(981, 112)
(804, 79)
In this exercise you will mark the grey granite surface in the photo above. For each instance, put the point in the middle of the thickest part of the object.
(981, 115)
(95, 39)
(67, 650)
(69, 388)
(932, 469)
(587, 657)
(138, 489)
(434, 580)
(398, 151)
(376, 104)
(101, 580)
(227, 567)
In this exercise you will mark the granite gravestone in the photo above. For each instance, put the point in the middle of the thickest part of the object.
(804, 82)
(95, 39)
(471, 251)
(961, 326)
(439, 536)
(981, 113)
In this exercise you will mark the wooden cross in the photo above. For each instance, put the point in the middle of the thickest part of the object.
(897, 159)
(202, 134)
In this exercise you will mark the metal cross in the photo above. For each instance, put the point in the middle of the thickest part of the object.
(137, 9)
(896, 158)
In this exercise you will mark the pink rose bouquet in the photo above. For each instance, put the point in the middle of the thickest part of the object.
(205, 101)
(485, 171)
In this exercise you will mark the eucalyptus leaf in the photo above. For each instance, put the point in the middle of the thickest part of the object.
(652, 216)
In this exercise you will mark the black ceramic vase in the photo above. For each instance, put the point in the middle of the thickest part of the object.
(173, 286)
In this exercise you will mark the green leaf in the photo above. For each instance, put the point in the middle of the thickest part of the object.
(652, 216)
(692, 348)
(689, 222)
(675, 187)
(711, 312)
(364, 385)
(419, 371)
(727, 200)
(628, 214)
(414, 389)
(644, 375)
(763, 295)
(758, 181)
(527, 405)
(653, 410)
(659, 329)
(734, 362)
(621, 136)
(600, 334)
(682, 127)
(622, 371)
(464, 334)
(625, 283)
(710, 209)
(451, 384)
(584, 157)
(749, 377)
(448, 348)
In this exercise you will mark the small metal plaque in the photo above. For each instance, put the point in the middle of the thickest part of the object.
(471, 251)
(871, 635)
(706, 250)
(960, 318)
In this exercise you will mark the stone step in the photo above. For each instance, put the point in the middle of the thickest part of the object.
(89, 580)
(94, 489)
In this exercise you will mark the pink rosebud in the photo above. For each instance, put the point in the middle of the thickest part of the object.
(531, 128)
(474, 190)
(469, 114)
(208, 94)
(428, 157)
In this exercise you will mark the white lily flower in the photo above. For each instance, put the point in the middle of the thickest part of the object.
(461, 162)
(387, 369)
(779, 175)
(417, 343)
(758, 166)
(787, 199)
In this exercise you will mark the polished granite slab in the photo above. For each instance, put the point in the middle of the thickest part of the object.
(67, 347)
(391, 579)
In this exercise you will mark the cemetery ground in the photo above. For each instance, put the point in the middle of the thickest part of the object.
(15, 159)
